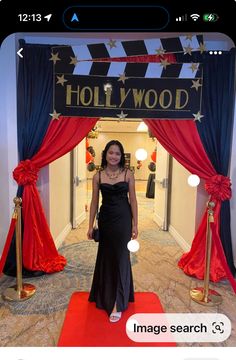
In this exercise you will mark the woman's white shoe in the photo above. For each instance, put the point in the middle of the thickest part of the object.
(115, 316)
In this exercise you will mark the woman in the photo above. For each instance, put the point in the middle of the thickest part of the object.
(112, 286)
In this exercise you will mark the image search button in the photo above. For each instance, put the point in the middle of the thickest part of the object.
(115, 17)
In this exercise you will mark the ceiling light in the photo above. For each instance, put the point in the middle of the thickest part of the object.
(142, 127)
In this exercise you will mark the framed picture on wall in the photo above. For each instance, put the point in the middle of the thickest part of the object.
(127, 160)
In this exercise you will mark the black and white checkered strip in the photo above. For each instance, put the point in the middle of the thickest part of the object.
(139, 47)
(146, 70)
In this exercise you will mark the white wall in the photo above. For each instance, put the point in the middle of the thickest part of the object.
(8, 137)
(59, 190)
(183, 205)
(233, 200)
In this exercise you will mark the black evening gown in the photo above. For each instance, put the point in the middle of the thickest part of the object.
(112, 279)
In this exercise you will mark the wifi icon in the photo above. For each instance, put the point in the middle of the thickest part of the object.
(195, 17)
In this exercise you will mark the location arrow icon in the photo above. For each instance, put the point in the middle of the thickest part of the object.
(48, 17)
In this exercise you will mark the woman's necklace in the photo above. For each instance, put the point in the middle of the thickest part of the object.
(114, 174)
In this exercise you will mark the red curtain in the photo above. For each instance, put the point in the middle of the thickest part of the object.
(181, 139)
(39, 251)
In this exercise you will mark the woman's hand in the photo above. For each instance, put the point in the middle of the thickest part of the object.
(90, 233)
(134, 232)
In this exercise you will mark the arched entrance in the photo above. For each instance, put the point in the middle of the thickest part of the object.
(53, 147)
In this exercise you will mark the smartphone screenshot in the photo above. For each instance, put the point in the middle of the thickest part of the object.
(118, 174)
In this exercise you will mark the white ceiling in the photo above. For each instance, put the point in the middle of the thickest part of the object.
(212, 39)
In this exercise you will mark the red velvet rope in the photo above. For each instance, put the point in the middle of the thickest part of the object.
(26, 173)
(219, 187)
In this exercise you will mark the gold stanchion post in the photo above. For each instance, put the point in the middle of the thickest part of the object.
(20, 291)
(204, 295)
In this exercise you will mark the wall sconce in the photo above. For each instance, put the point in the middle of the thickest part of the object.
(141, 154)
(107, 87)
(193, 180)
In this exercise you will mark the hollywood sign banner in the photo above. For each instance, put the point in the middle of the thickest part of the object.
(135, 97)
(89, 87)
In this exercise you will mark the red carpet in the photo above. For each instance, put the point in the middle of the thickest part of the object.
(85, 325)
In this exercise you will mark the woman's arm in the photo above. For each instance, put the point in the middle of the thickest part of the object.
(133, 204)
(93, 204)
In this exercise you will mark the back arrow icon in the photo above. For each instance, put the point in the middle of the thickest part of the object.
(19, 52)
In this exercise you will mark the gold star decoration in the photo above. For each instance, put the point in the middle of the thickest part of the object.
(196, 84)
(164, 63)
(188, 50)
(198, 116)
(55, 115)
(112, 43)
(122, 78)
(121, 116)
(189, 37)
(74, 60)
(202, 48)
(160, 51)
(61, 80)
(55, 58)
(193, 67)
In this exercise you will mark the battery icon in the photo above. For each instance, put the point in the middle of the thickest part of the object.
(210, 17)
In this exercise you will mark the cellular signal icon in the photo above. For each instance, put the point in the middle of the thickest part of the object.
(195, 17)
(182, 18)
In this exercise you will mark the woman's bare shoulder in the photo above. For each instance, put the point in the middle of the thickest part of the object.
(96, 176)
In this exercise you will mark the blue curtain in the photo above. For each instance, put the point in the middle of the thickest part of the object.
(34, 104)
(216, 126)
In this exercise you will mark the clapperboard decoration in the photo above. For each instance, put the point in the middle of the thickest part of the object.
(128, 90)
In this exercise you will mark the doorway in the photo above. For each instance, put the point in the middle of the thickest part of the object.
(173, 210)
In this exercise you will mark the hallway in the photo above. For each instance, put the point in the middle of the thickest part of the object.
(38, 321)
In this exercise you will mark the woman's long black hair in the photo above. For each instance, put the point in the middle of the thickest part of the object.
(104, 153)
